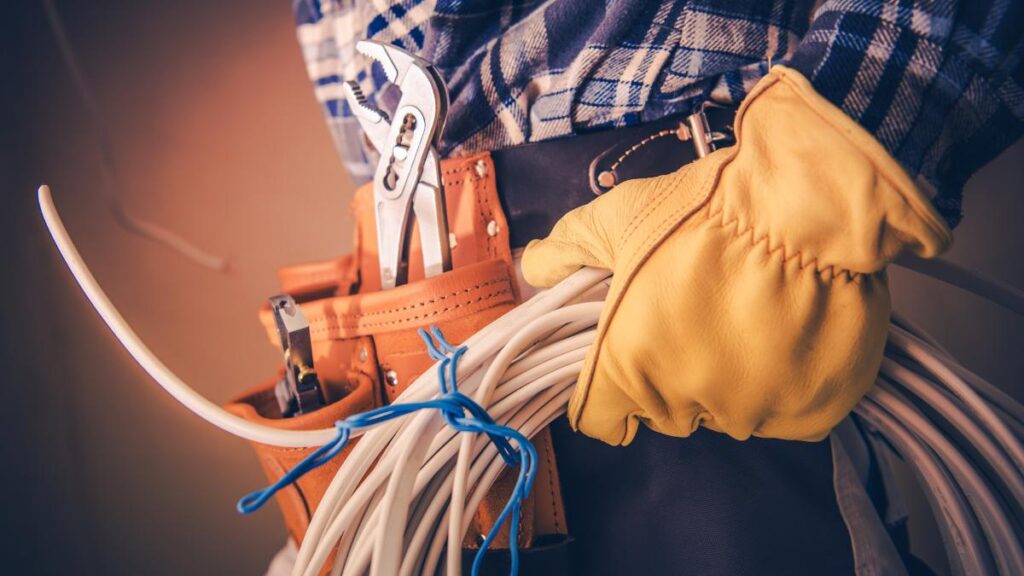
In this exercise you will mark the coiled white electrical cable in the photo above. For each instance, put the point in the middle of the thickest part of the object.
(411, 486)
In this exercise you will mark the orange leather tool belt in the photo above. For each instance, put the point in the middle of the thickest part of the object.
(366, 348)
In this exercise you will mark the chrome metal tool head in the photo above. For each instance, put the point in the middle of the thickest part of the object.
(299, 392)
(408, 178)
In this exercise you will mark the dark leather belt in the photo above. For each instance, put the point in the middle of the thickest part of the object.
(539, 183)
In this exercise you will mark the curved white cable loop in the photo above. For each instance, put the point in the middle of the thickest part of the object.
(995, 525)
(951, 273)
(915, 384)
(411, 485)
(970, 398)
(167, 379)
(956, 522)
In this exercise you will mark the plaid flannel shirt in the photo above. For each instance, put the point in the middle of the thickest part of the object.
(939, 83)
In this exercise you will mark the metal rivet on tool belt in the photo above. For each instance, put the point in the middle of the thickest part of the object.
(362, 354)
(606, 179)
(492, 228)
(391, 378)
(481, 168)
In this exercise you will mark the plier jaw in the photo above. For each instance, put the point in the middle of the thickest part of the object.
(407, 180)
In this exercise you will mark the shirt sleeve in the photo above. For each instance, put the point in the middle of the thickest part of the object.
(938, 83)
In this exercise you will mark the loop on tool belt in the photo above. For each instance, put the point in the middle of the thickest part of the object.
(460, 412)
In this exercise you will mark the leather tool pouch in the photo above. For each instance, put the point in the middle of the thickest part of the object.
(367, 351)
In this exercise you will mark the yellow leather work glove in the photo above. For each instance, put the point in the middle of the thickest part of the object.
(749, 292)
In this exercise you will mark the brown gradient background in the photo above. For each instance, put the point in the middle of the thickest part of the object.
(218, 137)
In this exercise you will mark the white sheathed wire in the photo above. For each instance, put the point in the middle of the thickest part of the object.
(440, 502)
(199, 404)
(943, 270)
(995, 397)
(977, 436)
(519, 342)
(410, 565)
(338, 526)
(971, 400)
(410, 486)
(393, 510)
(364, 454)
(898, 321)
(481, 350)
(519, 384)
(520, 421)
(995, 526)
(170, 382)
(526, 335)
(956, 522)
(490, 475)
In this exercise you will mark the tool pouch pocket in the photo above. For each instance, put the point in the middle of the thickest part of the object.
(367, 349)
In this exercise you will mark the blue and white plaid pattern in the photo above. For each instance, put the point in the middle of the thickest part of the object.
(938, 82)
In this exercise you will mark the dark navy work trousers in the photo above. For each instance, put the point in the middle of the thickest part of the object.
(704, 505)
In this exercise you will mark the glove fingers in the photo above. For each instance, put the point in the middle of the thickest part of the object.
(579, 239)
(547, 262)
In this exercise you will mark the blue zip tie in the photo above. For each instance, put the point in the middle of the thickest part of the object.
(453, 406)
(254, 500)
(448, 380)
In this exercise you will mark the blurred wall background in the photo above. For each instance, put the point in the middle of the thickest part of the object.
(218, 137)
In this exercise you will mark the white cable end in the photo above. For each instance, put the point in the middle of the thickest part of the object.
(44, 196)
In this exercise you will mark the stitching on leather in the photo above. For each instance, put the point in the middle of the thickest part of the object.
(463, 167)
(477, 202)
(432, 313)
(285, 450)
(641, 217)
(339, 326)
(831, 271)
(471, 179)
(479, 199)
(551, 483)
(480, 191)
(420, 304)
(481, 203)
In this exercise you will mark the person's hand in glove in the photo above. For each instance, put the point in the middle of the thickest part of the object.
(749, 292)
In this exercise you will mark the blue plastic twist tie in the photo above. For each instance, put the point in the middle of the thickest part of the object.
(454, 407)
